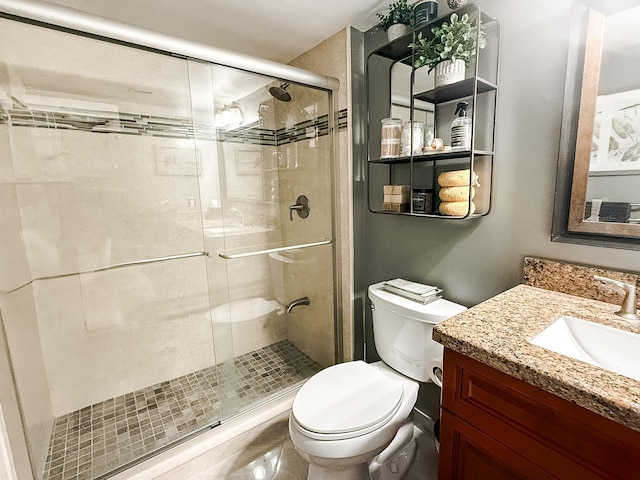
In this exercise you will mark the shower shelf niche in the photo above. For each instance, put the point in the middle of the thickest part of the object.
(390, 75)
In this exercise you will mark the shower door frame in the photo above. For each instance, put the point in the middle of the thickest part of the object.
(85, 24)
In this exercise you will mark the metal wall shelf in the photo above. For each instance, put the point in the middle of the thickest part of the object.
(479, 90)
(456, 90)
(431, 157)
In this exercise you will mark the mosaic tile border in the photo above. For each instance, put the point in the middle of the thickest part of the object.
(98, 439)
(148, 125)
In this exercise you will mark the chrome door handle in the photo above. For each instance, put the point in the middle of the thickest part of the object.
(301, 207)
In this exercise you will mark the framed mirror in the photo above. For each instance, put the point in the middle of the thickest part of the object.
(598, 183)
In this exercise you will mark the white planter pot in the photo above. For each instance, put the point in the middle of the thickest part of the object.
(449, 72)
(396, 31)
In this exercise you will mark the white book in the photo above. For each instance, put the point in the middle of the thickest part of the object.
(423, 299)
(411, 287)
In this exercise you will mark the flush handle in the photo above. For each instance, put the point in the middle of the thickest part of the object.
(301, 207)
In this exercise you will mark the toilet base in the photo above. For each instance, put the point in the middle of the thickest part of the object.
(392, 463)
(352, 472)
(396, 469)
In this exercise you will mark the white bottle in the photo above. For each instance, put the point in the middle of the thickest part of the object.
(461, 129)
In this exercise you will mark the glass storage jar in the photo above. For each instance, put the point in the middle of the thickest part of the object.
(390, 137)
(414, 145)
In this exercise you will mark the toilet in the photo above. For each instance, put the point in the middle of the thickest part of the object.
(352, 421)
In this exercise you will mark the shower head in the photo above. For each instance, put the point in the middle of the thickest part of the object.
(280, 93)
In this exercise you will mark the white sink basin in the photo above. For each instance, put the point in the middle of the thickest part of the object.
(600, 345)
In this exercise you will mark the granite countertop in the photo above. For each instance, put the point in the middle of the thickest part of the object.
(495, 333)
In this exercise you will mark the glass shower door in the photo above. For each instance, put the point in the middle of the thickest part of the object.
(110, 329)
(170, 226)
(270, 232)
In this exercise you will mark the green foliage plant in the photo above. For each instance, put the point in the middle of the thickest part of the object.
(456, 40)
(399, 12)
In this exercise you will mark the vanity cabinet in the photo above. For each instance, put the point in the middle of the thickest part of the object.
(395, 88)
(494, 426)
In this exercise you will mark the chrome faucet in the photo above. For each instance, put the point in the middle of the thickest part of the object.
(297, 302)
(628, 309)
(238, 213)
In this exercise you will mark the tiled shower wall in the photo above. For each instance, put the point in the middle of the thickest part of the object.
(27, 363)
(98, 201)
(331, 57)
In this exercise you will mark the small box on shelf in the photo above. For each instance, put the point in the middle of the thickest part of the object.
(396, 198)
(422, 200)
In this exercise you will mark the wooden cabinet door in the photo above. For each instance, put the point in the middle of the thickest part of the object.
(468, 454)
(495, 426)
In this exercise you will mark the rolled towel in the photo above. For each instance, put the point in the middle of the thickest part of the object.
(457, 209)
(457, 178)
(456, 194)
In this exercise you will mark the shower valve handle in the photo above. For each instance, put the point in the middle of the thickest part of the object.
(301, 207)
(298, 208)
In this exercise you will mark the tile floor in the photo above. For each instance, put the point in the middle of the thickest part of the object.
(281, 462)
(98, 439)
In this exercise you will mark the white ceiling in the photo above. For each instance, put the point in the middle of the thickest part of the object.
(278, 30)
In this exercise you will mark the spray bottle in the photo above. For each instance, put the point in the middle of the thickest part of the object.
(461, 129)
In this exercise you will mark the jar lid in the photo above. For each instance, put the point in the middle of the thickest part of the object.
(391, 120)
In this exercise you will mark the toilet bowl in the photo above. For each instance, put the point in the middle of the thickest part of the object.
(353, 420)
(347, 414)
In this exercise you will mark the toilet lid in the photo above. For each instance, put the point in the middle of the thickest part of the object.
(347, 397)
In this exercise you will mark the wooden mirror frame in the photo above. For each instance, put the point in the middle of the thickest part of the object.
(581, 91)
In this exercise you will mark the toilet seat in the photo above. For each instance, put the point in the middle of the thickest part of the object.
(346, 400)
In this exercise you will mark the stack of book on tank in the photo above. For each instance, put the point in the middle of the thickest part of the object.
(417, 292)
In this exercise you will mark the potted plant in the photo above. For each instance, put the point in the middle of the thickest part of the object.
(450, 50)
(397, 21)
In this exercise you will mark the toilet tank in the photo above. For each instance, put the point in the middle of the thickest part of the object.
(402, 331)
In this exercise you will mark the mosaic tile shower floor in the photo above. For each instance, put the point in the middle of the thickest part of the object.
(91, 442)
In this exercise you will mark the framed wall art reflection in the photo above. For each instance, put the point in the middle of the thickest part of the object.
(615, 147)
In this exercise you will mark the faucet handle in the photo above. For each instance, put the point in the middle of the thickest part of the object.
(628, 310)
(301, 206)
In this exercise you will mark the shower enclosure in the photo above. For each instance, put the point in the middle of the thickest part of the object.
(167, 236)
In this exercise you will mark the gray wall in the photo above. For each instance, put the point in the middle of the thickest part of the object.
(473, 260)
